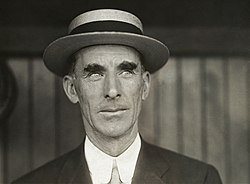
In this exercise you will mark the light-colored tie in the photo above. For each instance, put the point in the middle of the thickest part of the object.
(115, 177)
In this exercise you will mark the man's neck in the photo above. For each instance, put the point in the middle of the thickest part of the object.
(113, 146)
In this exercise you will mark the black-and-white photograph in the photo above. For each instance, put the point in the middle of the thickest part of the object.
(125, 92)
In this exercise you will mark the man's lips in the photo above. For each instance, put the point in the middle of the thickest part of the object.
(113, 111)
(110, 110)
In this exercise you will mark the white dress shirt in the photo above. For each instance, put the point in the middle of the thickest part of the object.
(100, 164)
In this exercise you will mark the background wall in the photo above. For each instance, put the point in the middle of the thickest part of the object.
(198, 106)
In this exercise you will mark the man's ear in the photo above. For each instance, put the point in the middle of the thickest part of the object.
(146, 84)
(69, 88)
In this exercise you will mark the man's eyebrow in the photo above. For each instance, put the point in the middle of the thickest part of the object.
(94, 68)
(127, 65)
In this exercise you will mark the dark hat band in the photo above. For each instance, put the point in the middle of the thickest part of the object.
(102, 26)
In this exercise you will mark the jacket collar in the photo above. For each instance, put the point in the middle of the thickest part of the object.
(75, 169)
(150, 167)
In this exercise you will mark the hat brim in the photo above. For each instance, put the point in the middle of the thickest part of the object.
(155, 54)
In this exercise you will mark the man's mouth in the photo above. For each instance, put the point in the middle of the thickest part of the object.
(113, 111)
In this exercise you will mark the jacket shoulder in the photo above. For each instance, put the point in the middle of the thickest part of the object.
(47, 173)
(183, 168)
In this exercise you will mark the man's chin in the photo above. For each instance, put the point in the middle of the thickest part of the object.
(114, 133)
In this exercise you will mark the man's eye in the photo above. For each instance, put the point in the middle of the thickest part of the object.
(95, 76)
(127, 73)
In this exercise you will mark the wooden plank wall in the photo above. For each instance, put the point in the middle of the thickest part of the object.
(197, 106)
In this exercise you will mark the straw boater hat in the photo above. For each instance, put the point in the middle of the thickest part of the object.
(104, 26)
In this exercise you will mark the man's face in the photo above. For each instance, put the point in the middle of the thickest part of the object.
(110, 86)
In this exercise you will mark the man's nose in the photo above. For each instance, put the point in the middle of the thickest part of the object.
(112, 87)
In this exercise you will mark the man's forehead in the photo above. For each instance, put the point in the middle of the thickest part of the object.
(99, 52)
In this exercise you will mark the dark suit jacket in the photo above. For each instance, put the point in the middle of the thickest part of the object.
(154, 166)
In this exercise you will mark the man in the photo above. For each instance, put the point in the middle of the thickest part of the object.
(106, 63)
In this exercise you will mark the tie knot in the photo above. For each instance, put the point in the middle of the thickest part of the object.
(115, 177)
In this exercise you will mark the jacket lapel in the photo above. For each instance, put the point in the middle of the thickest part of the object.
(150, 167)
(75, 169)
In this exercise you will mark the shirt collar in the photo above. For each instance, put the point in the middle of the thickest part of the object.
(100, 164)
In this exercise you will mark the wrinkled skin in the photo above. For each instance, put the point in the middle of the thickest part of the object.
(109, 84)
